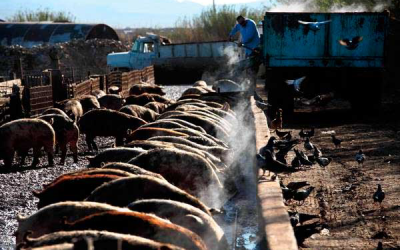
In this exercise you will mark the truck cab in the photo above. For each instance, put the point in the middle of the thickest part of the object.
(144, 51)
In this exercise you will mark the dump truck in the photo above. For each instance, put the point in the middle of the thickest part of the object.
(176, 62)
(339, 52)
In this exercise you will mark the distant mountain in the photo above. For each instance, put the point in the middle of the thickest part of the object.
(117, 13)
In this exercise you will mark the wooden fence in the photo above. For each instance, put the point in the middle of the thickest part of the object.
(125, 80)
(39, 99)
(83, 88)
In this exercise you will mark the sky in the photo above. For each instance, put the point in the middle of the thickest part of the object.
(122, 13)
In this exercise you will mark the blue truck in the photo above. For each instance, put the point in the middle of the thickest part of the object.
(340, 52)
(343, 52)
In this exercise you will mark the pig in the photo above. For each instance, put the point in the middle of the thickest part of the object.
(198, 102)
(139, 89)
(208, 125)
(51, 218)
(88, 103)
(186, 124)
(142, 225)
(153, 144)
(99, 240)
(185, 170)
(114, 89)
(23, 134)
(157, 107)
(186, 216)
(168, 124)
(98, 93)
(146, 133)
(150, 188)
(105, 122)
(71, 187)
(196, 91)
(132, 169)
(94, 171)
(143, 99)
(218, 152)
(55, 111)
(168, 114)
(67, 132)
(73, 109)
(200, 83)
(118, 154)
(111, 101)
(139, 111)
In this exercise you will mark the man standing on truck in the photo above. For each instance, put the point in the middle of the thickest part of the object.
(250, 41)
(249, 32)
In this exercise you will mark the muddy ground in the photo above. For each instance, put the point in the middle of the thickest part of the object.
(343, 190)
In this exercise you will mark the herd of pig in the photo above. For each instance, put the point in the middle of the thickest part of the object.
(156, 189)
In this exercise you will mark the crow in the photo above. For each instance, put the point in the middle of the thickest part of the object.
(351, 44)
(297, 184)
(317, 152)
(360, 157)
(282, 134)
(303, 158)
(308, 145)
(314, 25)
(302, 195)
(324, 161)
(337, 142)
(379, 195)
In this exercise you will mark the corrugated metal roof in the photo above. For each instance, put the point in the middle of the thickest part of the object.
(31, 34)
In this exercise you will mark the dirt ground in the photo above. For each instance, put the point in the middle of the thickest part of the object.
(343, 190)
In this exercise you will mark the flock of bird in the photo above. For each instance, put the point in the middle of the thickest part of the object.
(272, 157)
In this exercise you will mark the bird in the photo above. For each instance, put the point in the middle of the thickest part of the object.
(287, 193)
(379, 195)
(303, 158)
(278, 121)
(302, 134)
(301, 217)
(324, 161)
(297, 184)
(308, 145)
(296, 83)
(302, 195)
(314, 25)
(272, 165)
(310, 133)
(281, 154)
(337, 142)
(360, 157)
(351, 44)
(380, 246)
(317, 152)
(282, 134)
(295, 163)
(262, 105)
(294, 218)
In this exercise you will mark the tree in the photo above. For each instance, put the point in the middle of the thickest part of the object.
(42, 15)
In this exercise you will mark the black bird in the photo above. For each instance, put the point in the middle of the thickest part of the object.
(294, 218)
(336, 141)
(296, 163)
(301, 218)
(303, 158)
(310, 133)
(308, 145)
(351, 44)
(317, 152)
(302, 195)
(275, 166)
(287, 193)
(297, 184)
(281, 154)
(314, 25)
(360, 157)
(324, 161)
(280, 144)
(302, 134)
(379, 195)
(306, 231)
(282, 134)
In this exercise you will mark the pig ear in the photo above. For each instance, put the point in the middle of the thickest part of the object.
(129, 131)
(225, 107)
(102, 164)
(51, 121)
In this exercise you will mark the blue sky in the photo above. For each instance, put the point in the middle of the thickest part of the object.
(122, 13)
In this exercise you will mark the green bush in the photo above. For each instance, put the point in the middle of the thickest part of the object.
(41, 15)
(212, 24)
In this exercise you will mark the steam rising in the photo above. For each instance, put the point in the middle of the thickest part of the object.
(311, 6)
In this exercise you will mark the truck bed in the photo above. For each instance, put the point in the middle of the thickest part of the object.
(288, 43)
